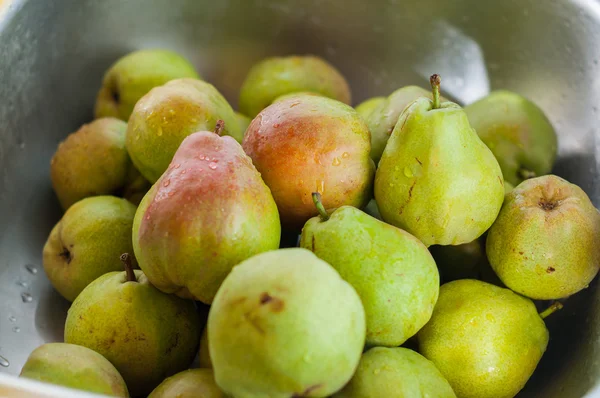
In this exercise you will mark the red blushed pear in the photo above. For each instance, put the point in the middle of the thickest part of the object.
(209, 211)
(304, 144)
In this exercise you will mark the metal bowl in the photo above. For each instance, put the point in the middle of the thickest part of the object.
(53, 54)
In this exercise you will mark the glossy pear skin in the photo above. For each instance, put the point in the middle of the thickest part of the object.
(271, 300)
(169, 113)
(146, 334)
(208, 212)
(395, 373)
(74, 366)
(391, 270)
(191, 383)
(436, 178)
(92, 161)
(545, 243)
(309, 144)
(87, 243)
(133, 75)
(517, 131)
(484, 339)
(276, 76)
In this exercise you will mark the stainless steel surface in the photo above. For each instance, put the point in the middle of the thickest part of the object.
(53, 54)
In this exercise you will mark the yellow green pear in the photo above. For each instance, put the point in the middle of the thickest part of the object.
(396, 373)
(87, 243)
(133, 75)
(167, 114)
(365, 108)
(92, 161)
(518, 133)
(391, 270)
(545, 243)
(484, 339)
(146, 334)
(283, 324)
(276, 76)
(191, 383)
(436, 179)
(76, 367)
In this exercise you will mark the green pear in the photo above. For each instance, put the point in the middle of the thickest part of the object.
(545, 243)
(383, 118)
(146, 334)
(92, 161)
(484, 339)
(87, 242)
(460, 262)
(391, 270)
(508, 187)
(518, 133)
(436, 179)
(284, 324)
(395, 373)
(310, 143)
(191, 383)
(74, 366)
(208, 212)
(167, 114)
(277, 76)
(133, 75)
(244, 122)
(365, 108)
(204, 354)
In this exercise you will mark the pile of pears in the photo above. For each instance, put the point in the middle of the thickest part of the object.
(426, 231)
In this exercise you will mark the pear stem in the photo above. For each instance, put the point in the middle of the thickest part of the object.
(557, 305)
(219, 127)
(435, 81)
(316, 196)
(126, 260)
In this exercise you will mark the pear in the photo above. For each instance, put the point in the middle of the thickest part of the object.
(518, 133)
(285, 324)
(87, 242)
(545, 243)
(382, 119)
(436, 179)
(74, 366)
(309, 143)
(146, 334)
(395, 373)
(290, 95)
(391, 270)
(508, 187)
(208, 212)
(244, 122)
(277, 76)
(204, 355)
(365, 108)
(460, 262)
(484, 339)
(191, 383)
(167, 114)
(92, 161)
(133, 75)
